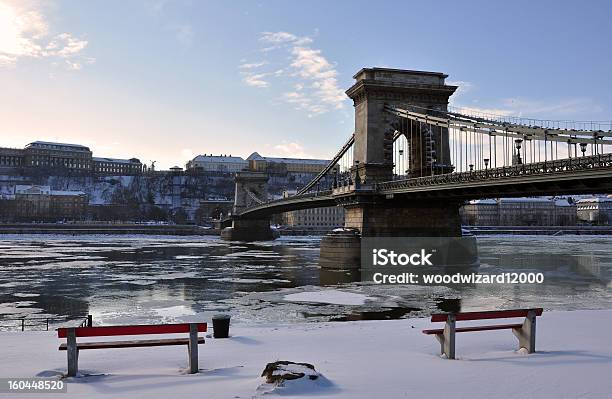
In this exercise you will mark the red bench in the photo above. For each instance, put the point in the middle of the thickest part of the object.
(73, 348)
(525, 332)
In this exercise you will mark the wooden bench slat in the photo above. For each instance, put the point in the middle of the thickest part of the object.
(475, 328)
(131, 330)
(494, 314)
(132, 344)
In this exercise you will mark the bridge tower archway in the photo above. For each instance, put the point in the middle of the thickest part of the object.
(251, 189)
(375, 88)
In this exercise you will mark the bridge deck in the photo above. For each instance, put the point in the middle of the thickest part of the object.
(589, 174)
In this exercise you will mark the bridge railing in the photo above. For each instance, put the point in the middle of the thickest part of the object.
(288, 200)
(330, 166)
(567, 165)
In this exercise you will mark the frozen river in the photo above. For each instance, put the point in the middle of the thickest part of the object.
(146, 279)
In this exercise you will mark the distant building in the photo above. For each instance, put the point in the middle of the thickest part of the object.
(480, 213)
(319, 219)
(285, 165)
(596, 210)
(114, 166)
(73, 157)
(68, 204)
(11, 157)
(536, 211)
(217, 163)
(526, 212)
(48, 154)
(565, 213)
(32, 202)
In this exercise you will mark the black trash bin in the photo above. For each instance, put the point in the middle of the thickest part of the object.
(221, 323)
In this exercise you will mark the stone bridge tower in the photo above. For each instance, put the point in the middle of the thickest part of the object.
(251, 190)
(373, 159)
(367, 213)
(376, 87)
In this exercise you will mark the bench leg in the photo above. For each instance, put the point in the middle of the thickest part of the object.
(447, 338)
(527, 333)
(72, 352)
(193, 348)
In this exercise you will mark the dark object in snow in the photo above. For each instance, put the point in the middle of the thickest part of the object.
(221, 325)
(283, 370)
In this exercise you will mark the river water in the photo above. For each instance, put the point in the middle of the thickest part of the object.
(149, 279)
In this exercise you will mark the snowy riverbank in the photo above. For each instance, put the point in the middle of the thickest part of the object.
(382, 359)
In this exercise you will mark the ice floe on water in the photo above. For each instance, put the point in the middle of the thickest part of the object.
(173, 312)
(334, 297)
(249, 280)
(25, 294)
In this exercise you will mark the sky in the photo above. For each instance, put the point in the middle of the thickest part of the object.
(165, 80)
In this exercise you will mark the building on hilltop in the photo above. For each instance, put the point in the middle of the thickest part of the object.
(73, 157)
(11, 157)
(119, 167)
(48, 154)
(258, 163)
(217, 163)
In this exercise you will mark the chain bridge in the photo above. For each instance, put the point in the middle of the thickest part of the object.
(413, 160)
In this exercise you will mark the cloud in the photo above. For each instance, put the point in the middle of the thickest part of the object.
(290, 149)
(255, 80)
(462, 88)
(483, 111)
(252, 65)
(277, 37)
(567, 108)
(520, 107)
(24, 33)
(557, 109)
(312, 67)
(307, 79)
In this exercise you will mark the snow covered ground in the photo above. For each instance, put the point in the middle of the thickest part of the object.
(365, 359)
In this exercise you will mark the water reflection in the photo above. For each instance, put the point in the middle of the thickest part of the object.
(159, 279)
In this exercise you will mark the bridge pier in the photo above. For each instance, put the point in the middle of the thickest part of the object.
(369, 214)
(435, 218)
(249, 230)
(387, 218)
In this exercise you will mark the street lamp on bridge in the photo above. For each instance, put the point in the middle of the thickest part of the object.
(517, 144)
